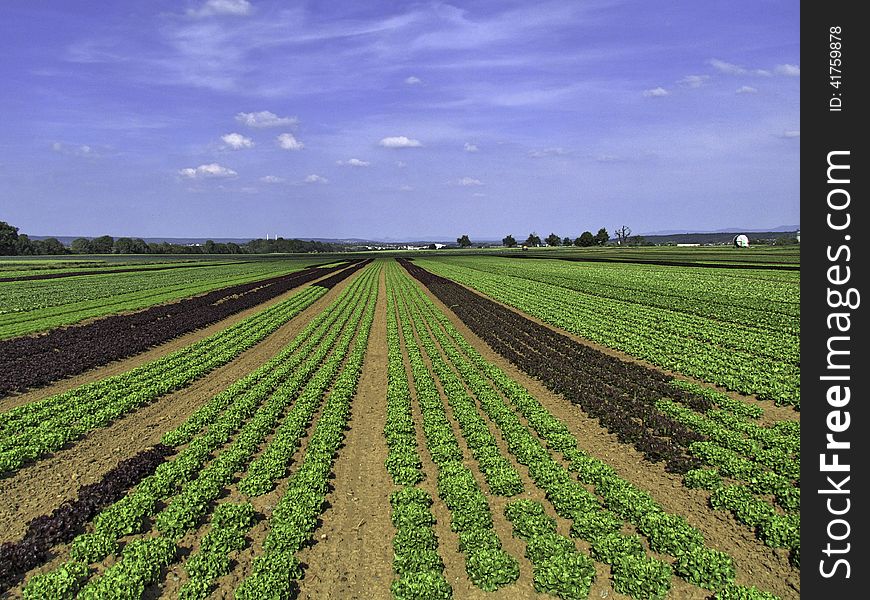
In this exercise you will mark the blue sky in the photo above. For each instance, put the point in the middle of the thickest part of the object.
(238, 118)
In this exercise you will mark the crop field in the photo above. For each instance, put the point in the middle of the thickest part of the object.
(432, 426)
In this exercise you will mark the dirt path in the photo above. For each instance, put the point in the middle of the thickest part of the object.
(41, 486)
(353, 556)
(755, 563)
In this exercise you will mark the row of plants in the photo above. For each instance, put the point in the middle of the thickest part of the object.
(620, 394)
(488, 566)
(230, 523)
(197, 481)
(596, 517)
(418, 566)
(500, 475)
(703, 292)
(643, 577)
(36, 361)
(35, 271)
(34, 306)
(266, 378)
(67, 520)
(38, 428)
(742, 417)
(736, 454)
(558, 567)
(292, 523)
(717, 352)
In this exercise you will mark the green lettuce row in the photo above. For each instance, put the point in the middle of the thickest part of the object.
(418, 566)
(294, 519)
(266, 377)
(488, 566)
(91, 407)
(649, 333)
(126, 516)
(666, 533)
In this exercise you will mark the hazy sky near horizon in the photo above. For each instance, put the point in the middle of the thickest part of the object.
(241, 118)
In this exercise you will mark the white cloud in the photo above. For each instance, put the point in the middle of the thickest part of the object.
(746, 89)
(608, 158)
(73, 150)
(400, 141)
(413, 80)
(732, 69)
(478, 195)
(354, 162)
(656, 92)
(212, 170)
(726, 67)
(401, 164)
(288, 142)
(694, 81)
(271, 179)
(222, 7)
(788, 70)
(471, 147)
(467, 182)
(264, 118)
(237, 141)
(548, 152)
(792, 133)
(314, 178)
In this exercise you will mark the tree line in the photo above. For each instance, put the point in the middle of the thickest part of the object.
(14, 244)
(585, 239)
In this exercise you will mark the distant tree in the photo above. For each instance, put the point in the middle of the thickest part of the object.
(566, 241)
(638, 240)
(508, 241)
(463, 241)
(602, 236)
(139, 246)
(8, 239)
(123, 245)
(622, 234)
(554, 240)
(53, 246)
(533, 240)
(208, 247)
(586, 239)
(102, 244)
(233, 248)
(81, 246)
(432, 247)
(23, 245)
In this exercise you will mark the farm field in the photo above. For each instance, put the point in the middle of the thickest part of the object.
(445, 426)
(32, 306)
